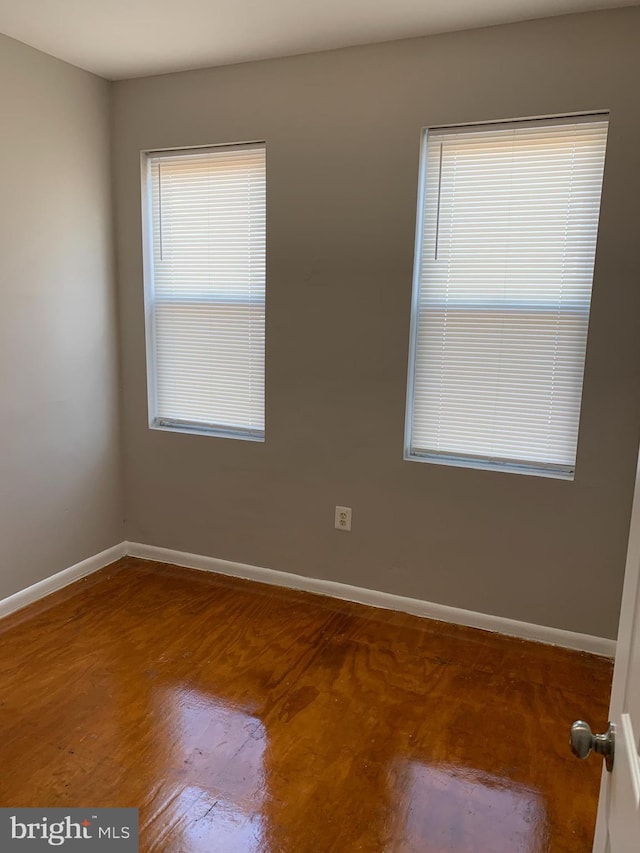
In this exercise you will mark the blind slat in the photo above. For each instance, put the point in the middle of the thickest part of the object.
(507, 228)
(208, 224)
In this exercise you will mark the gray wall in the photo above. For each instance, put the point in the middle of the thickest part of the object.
(342, 131)
(60, 461)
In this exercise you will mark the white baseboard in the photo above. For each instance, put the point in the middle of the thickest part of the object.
(388, 601)
(374, 598)
(61, 579)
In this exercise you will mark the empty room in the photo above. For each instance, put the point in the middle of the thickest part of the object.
(320, 382)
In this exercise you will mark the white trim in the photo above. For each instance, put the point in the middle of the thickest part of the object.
(633, 758)
(61, 579)
(509, 124)
(334, 589)
(415, 295)
(374, 598)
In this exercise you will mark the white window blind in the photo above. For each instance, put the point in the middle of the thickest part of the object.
(206, 289)
(505, 249)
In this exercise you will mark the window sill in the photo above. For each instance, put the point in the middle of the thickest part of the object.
(200, 429)
(489, 465)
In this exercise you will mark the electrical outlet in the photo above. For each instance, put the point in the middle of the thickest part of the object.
(343, 518)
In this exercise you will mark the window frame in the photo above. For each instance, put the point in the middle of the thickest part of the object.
(469, 460)
(154, 421)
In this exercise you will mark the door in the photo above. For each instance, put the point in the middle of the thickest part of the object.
(618, 825)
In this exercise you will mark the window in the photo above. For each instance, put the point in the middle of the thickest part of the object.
(505, 249)
(205, 289)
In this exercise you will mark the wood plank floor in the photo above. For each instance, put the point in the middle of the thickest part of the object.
(240, 718)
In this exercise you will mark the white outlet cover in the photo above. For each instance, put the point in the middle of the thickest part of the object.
(343, 518)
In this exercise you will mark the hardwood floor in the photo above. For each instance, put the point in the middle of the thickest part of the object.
(239, 717)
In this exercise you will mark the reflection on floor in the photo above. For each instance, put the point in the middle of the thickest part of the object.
(461, 805)
(242, 718)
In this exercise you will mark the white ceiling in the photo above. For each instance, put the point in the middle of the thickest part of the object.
(131, 38)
